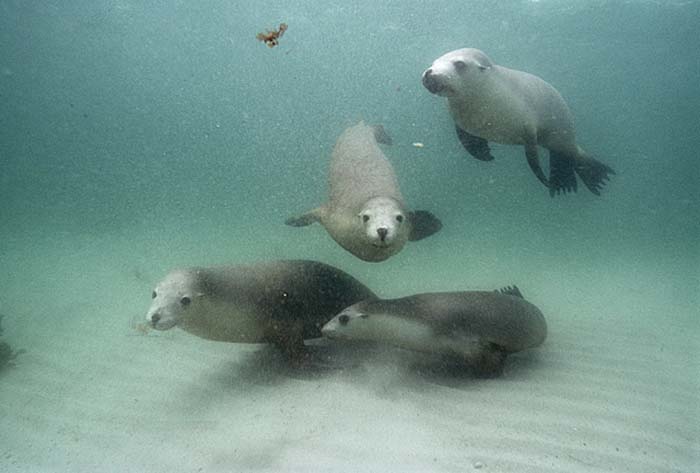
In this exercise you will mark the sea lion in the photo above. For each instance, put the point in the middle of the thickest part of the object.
(493, 103)
(280, 302)
(365, 213)
(478, 328)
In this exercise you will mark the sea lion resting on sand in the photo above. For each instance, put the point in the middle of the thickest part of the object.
(279, 302)
(493, 103)
(365, 213)
(478, 328)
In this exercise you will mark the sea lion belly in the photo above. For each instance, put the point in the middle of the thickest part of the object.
(222, 321)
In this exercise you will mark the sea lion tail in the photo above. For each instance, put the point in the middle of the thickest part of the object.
(592, 172)
(511, 291)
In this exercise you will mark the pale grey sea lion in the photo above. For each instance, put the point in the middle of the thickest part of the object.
(280, 302)
(493, 103)
(365, 212)
(478, 328)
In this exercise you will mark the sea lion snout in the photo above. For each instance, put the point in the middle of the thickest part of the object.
(382, 232)
(154, 318)
(330, 329)
(432, 82)
(160, 322)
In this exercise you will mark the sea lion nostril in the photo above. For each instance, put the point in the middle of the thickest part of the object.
(383, 232)
(154, 319)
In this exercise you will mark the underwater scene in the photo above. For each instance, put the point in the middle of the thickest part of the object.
(376, 236)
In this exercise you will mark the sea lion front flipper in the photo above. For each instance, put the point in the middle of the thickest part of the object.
(477, 147)
(592, 172)
(423, 224)
(561, 173)
(533, 160)
(381, 135)
(305, 219)
(488, 362)
(287, 335)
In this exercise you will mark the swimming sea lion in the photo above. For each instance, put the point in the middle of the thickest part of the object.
(365, 213)
(493, 103)
(279, 302)
(477, 327)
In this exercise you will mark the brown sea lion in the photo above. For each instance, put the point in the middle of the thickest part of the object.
(280, 302)
(479, 328)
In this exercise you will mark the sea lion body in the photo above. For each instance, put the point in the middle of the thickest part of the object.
(489, 102)
(366, 213)
(477, 327)
(280, 302)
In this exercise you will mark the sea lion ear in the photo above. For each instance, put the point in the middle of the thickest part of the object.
(199, 295)
(483, 62)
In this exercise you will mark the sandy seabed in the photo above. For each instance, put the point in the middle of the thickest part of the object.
(615, 388)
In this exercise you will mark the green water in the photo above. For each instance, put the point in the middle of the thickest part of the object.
(140, 136)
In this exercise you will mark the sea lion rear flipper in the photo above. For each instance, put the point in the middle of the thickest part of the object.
(511, 291)
(592, 172)
(533, 161)
(423, 224)
(561, 173)
(477, 147)
(304, 219)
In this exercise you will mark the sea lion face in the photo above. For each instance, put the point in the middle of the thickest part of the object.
(173, 298)
(351, 323)
(453, 73)
(383, 222)
(375, 320)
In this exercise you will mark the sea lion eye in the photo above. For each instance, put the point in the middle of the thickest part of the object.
(153, 295)
(460, 65)
(365, 218)
(399, 218)
(344, 319)
(185, 301)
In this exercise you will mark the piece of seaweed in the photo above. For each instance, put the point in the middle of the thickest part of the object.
(271, 38)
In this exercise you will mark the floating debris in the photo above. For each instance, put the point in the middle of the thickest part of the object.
(418, 144)
(271, 38)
